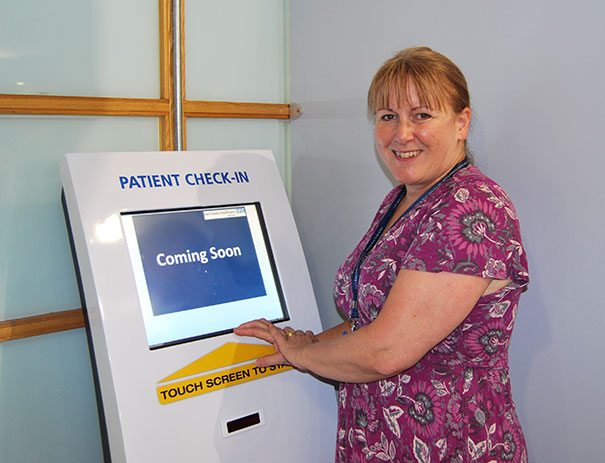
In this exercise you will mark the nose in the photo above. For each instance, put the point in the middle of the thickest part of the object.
(404, 132)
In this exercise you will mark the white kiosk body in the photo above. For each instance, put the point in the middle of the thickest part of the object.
(174, 250)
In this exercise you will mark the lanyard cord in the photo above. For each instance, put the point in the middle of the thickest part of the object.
(383, 223)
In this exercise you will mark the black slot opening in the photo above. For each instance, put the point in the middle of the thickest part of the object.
(243, 422)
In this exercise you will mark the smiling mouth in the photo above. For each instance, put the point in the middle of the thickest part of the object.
(407, 154)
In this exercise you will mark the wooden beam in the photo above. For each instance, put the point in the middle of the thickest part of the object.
(41, 324)
(82, 105)
(167, 142)
(236, 110)
(101, 106)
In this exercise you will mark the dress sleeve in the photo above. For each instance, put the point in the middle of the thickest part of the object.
(470, 229)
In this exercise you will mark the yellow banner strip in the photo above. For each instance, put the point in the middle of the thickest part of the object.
(215, 381)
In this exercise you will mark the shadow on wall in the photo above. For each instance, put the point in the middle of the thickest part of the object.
(532, 335)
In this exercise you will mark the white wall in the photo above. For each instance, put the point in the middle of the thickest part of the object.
(536, 73)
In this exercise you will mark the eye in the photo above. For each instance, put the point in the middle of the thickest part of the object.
(386, 117)
(423, 116)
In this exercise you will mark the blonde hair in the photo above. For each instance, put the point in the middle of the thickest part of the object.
(438, 81)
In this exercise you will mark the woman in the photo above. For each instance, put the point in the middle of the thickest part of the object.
(430, 292)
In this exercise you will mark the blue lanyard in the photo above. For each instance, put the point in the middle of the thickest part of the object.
(383, 223)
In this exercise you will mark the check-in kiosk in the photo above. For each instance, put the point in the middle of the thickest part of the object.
(174, 250)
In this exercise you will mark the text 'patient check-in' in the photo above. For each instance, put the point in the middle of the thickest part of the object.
(173, 251)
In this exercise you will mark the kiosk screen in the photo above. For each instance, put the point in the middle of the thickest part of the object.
(201, 272)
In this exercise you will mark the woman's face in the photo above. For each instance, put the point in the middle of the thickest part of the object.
(420, 145)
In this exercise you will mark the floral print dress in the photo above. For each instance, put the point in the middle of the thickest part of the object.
(455, 404)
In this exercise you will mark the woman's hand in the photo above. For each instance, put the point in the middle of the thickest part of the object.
(288, 342)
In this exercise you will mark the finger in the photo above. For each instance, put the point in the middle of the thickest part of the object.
(257, 328)
(260, 333)
(279, 336)
(260, 323)
(271, 359)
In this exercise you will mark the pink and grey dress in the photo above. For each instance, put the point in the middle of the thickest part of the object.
(455, 404)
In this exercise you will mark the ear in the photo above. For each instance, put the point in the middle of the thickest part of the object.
(463, 122)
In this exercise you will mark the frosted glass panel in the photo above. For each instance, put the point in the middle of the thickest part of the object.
(49, 413)
(236, 50)
(80, 47)
(227, 134)
(36, 268)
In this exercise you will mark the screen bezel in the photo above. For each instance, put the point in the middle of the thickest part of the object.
(266, 247)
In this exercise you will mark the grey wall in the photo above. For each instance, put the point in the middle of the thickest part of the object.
(536, 74)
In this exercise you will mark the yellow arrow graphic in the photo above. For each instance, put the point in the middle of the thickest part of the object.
(228, 354)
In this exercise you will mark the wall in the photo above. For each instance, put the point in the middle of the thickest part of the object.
(535, 72)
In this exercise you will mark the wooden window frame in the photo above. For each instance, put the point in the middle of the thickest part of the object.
(13, 104)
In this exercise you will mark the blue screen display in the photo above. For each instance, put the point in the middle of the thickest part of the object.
(191, 261)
